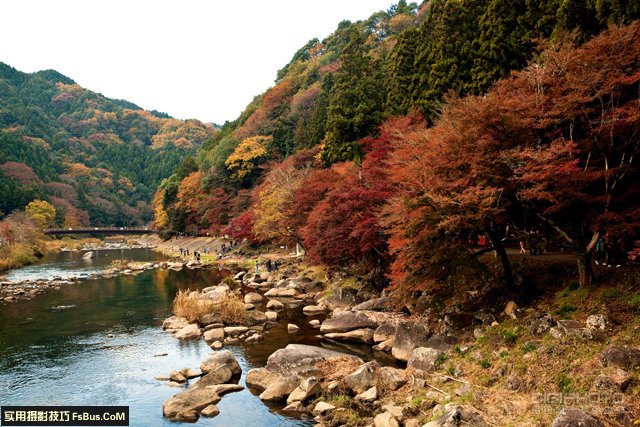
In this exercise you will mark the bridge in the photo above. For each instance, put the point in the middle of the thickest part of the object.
(99, 231)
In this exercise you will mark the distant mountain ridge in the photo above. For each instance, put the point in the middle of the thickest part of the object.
(98, 160)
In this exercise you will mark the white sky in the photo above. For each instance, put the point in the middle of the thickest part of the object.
(189, 58)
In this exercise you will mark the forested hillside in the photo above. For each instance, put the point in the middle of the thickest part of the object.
(389, 142)
(97, 160)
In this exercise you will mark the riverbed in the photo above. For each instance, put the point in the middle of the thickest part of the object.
(100, 342)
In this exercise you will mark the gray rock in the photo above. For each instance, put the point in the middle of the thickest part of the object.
(307, 389)
(343, 297)
(219, 361)
(295, 357)
(574, 329)
(369, 395)
(281, 293)
(322, 408)
(234, 331)
(175, 323)
(295, 407)
(385, 419)
(260, 378)
(573, 417)
(541, 325)
(189, 332)
(424, 359)
(456, 416)
(362, 378)
(272, 316)
(623, 357)
(186, 405)
(596, 323)
(253, 298)
(177, 377)
(291, 328)
(279, 390)
(216, 334)
(358, 335)
(256, 317)
(618, 380)
(392, 378)
(408, 336)
(347, 321)
(210, 411)
(375, 304)
(384, 332)
(275, 305)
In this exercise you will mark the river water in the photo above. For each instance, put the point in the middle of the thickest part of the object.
(53, 356)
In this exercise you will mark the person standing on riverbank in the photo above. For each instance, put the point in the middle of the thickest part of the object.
(257, 267)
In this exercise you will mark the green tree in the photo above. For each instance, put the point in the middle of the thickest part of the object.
(356, 101)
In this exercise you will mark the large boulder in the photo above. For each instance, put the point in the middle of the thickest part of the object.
(385, 419)
(307, 389)
(219, 368)
(186, 405)
(253, 298)
(408, 335)
(358, 335)
(384, 332)
(275, 305)
(375, 304)
(300, 357)
(279, 390)
(424, 359)
(348, 321)
(256, 317)
(313, 310)
(260, 378)
(189, 332)
(363, 378)
(572, 417)
(215, 334)
(175, 323)
(217, 293)
(342, 298)
(622, 357)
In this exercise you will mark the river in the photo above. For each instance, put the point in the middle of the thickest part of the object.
(63, 356)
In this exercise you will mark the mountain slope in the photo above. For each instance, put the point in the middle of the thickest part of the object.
(96, 159)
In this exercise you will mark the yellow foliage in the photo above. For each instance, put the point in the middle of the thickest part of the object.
(42, 213)
(248, 154)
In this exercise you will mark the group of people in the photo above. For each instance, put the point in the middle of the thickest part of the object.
(608, 251)
(535, 243)
(268, 264)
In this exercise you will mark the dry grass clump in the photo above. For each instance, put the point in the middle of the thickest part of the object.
(188, 305)
(231, 309)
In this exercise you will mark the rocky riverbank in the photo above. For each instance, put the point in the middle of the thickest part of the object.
(14, 291)
(508, 366)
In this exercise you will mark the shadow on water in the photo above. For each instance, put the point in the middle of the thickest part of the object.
(53, 355)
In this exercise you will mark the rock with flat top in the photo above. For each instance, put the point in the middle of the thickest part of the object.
(296, 357)
(385, 419)
(358, 335)
(348, 321)
(189, 332)
(323, 408)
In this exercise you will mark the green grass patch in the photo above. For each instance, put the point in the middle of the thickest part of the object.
(565, 311)
(485, 363)
(528, 347)
(564, 383)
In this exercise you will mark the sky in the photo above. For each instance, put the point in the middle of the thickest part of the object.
(189, 58)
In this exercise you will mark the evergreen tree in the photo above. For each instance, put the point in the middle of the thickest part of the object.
(356, 101)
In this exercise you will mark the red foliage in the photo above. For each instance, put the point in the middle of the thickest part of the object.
(20, 173)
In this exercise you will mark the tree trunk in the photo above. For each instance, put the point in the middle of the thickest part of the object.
(501, 253)
(585, 270)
